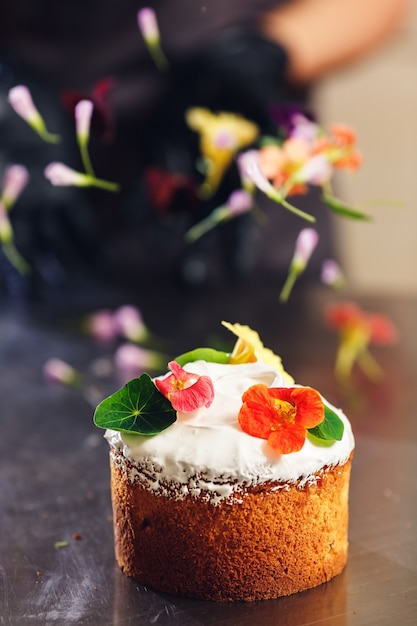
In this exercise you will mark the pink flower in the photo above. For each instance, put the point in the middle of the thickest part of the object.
(60, 175)
(304, 247)
(184, 390)
(16, 177)
(20, 99)
(102, 325)
(83, 113)
(331, 274)
(129, 322)
(317, 170)
(58, 371)
(251, 174)
(239, 201)
(148, 24)
(132, 359)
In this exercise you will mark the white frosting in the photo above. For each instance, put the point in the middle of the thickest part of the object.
(206, 454)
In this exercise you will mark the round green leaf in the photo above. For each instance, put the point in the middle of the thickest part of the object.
(139, 407)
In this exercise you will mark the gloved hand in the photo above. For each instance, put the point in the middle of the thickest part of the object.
(242, 72)
(239, 72)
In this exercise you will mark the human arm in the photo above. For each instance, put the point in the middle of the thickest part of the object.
(323, 35)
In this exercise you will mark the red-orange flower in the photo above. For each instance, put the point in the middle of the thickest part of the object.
(186, 391)
(357, 329)
(281, 415)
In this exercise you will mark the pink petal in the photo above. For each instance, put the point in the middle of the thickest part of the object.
(200, 394)
(83, 112)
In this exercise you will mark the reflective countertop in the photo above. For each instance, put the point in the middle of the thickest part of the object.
(54, 474)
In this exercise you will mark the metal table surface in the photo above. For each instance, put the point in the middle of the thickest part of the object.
(54, 476)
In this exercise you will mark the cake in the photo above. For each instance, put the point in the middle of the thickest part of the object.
(217, 498)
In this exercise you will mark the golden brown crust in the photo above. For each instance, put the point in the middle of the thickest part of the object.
(272, 543)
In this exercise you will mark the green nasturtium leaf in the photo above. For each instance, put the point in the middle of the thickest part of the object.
(343, 209)
(204, 354)
(331, 427)
(139, 407)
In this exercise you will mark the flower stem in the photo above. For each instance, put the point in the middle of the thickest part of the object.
(288, 285)
(103, 184)
(201, 228)
(85, 157)
(16, 259)
(294, 209)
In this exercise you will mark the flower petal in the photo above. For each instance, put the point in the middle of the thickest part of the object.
(186, 391)
(289, 438)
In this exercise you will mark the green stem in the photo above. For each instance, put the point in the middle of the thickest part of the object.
(16, 259)
(103, 184)
(278, 197)
(288, 285)
(200, 229)
(85, 157)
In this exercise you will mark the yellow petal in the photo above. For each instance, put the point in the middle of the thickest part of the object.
(266, 355)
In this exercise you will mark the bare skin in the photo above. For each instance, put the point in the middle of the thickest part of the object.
(324, 35)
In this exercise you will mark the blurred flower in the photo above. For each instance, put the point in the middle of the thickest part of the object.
(167, 190)
(6, 230)
(126, 321)
(129, 323)
(289, 118)
(222, 135)
(304, 247)
(102, 116)
(20, 99)
(186, 391)
(58, 371)
(148, 26)
(357, 330)
(102, 325)
(83, 112)
(239, 202)
(132, 360)
(60, 174)
(15, 179)
(281, 415)
(252, 176)
(331, 274)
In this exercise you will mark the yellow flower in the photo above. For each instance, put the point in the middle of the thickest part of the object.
(249, 348)
(222, 135)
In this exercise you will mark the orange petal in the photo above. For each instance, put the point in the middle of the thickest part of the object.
(287, 439)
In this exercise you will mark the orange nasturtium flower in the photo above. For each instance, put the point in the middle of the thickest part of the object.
(281, 415)
(186, 391)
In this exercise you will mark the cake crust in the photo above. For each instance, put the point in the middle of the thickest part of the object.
(274, 539)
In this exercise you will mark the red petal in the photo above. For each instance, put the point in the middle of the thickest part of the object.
(166, 385)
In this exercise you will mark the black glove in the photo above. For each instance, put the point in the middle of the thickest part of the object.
(241, 72)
